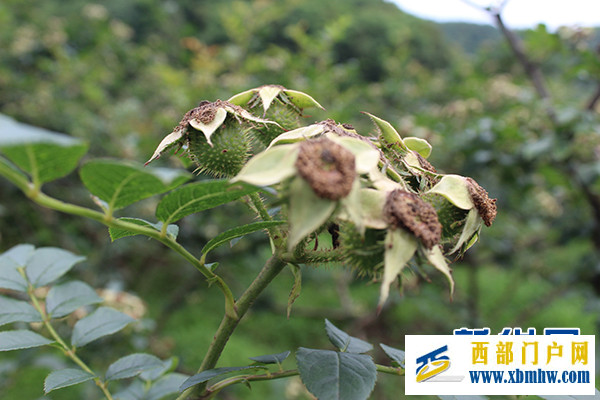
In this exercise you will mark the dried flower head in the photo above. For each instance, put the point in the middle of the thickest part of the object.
(485, 206)
(328, 168)
(407, 210)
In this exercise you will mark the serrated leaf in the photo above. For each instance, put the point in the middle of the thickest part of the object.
(212, 126)
(330, 375)
(198, 196)
(454, 188)
(272, 358)
(42, 154)
(419, 145)
(21, 339)
(307, 211)
(296, 289)
(398, 356)
(366, 157)
(298, 135)
(64, 378)
(301, 100)
(17, 311)
(238, 232)
(19, 254)
(169, 141)
(400, 246)
(269, 167)
(121, 183)
(472, 225)
(135, 391)
(118, 233)
(68, 297)
(207, 375)
(168, 384)
(131, 365)
(155, 373)
(437, 259)
(102, 322)
(345, 342)
(387, 131)
(47, 264)
(10, 278)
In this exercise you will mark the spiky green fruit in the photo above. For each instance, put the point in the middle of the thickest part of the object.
(229, 151)
(363, 253)
(286, 115)
(451, 217)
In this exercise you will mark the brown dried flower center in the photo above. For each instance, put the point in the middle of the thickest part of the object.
(407, 210)
(485, 206)
(328, 168)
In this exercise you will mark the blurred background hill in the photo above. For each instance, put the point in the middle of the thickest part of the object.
(121, 74)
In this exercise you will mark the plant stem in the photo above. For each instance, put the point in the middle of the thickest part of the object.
(271, 269)
(69, 352)
(261, 210)
(217, 387)
(390, 370)
(55, 204)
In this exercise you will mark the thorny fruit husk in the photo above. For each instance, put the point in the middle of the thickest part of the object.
(285, 115)
(328, 168)
(363, 252)
(407, 210)
(485, 206)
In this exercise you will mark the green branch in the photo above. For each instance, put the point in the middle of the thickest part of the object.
(55, 204)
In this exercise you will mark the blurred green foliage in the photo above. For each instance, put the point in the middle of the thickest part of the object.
(121, 74)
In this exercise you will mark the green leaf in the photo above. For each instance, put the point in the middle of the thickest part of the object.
(454, 188)
(21, 339)
(298, 135)
(301, 100)
(238, 232)
(18, 254)
(241, 99)
(437, 259)
(10, 278)
(387, 131)
(121, 183)
(157, 372)
(419, 145)
(68, 297)
(330, 375)
(397, 356)
(118, 233)
(131, 365)
(64, 378)
(17, 311)
(296, 289)
(205, 376)
(198, 196)
(47, 264)
(167, 385)
(272, 358)
(307, 211)
(400, 246)
(102, 322)
(42, 154)
(135, 391)
(270, 167)
(345, 342)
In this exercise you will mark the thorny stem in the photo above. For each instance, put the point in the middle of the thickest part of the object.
(271, 269)
(217, 387)
(46, 201)
(69, 352)
(261, 210)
